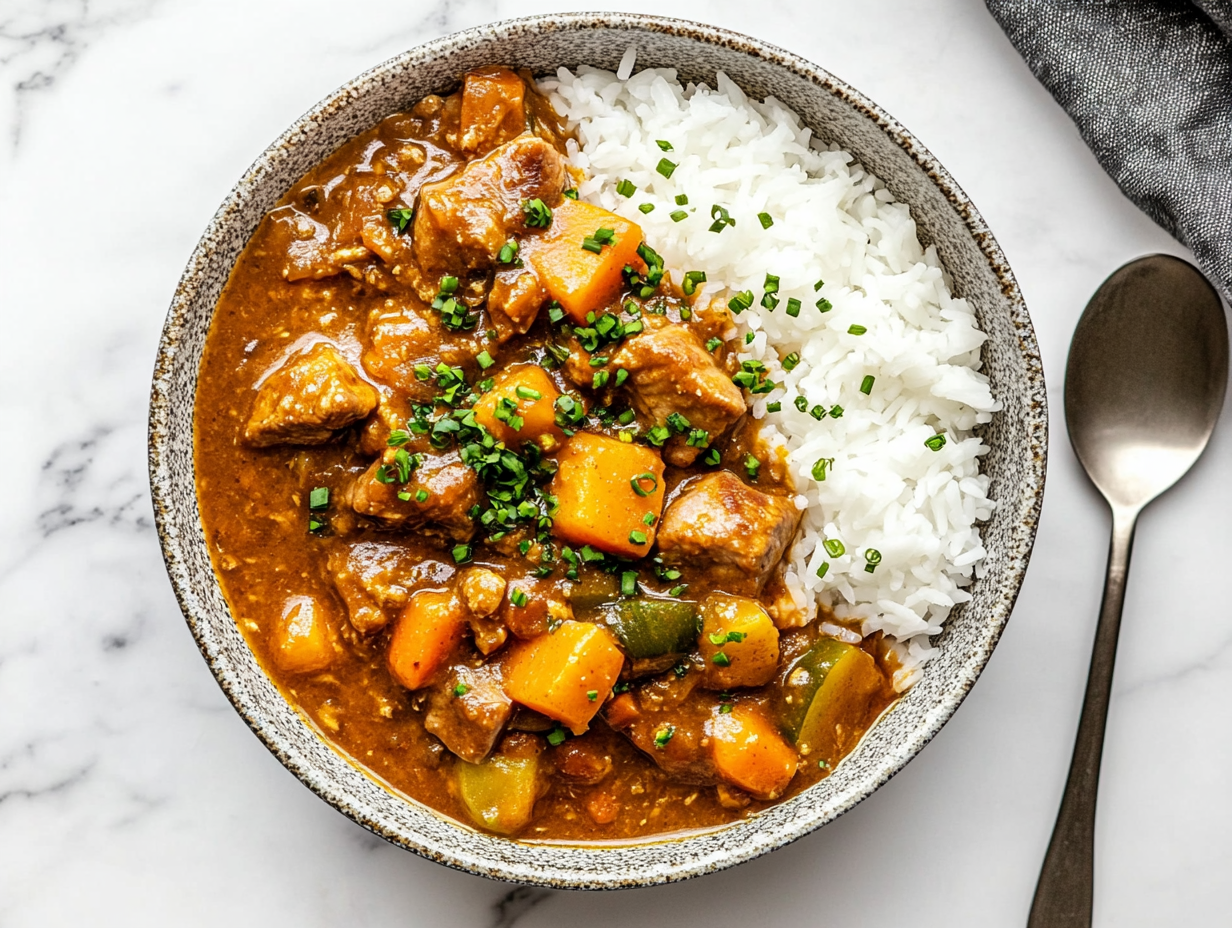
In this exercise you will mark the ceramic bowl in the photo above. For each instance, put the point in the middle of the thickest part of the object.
(836, 112)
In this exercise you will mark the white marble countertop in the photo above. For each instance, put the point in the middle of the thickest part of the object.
(130, 792)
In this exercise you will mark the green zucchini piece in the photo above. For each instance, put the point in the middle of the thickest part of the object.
(594, 591)
(655, 627)
(500, 793)
(827, 695)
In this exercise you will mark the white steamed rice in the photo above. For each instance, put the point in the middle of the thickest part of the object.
(833, 221)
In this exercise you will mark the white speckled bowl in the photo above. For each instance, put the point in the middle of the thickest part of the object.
(946, 218)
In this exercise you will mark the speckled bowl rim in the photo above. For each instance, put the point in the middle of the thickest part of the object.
(685, 864)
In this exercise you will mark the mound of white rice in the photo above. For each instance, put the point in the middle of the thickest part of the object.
(883, 487)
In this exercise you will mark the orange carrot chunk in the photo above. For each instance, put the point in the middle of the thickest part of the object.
(609, 494)
(750, 753)
(580, 256)
(427, 630)
(557, 673)
(523, 396)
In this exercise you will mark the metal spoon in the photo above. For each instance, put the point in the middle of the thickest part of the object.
(1147, 372)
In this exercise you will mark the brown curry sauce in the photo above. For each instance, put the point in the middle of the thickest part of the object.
(309, 275)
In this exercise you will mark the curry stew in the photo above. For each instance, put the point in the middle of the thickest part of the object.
(480, 488)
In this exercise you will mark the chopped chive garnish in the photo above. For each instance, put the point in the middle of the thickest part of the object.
(572, 193)
(421, 496)
(752, 466)
(646, 208)
(663, 144)
(748, 338)
(772, 284)
(599, 381)
(691, 280)
(820, 468)
(449, 285)
(637, 538)
(817, 286)
(592, 695)
(639, 483)
(834, 547)
(508, 252)
(664, 735)
(682, 199)
(484, 359)
(461, 554)
(461, 689)
(855, 329)
(526, 393)
(824, 305)
(722, 219)
(765, 219)
(665, 167)
(400, 219)
(557, 736)
(836, 411)
(872, 558)
(818, 412)
(538, 214)
(518, 598)
(648, 519)
(712, 457)
(621, 376)
(793, 306)
(823, 569)
(774, 407)
(791, 361)
(318, 498)
(721, 660)
(866, 385)
(740, 302)
(713, 343)
(769, 300)
(800, 403)
(625, 188)
(315, 525)
(676, 591)
(404, 495)
(628, 583)
(936, 443)
(677, 215)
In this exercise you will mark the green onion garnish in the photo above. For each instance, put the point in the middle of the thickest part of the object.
(665, 167)
(400, 219)
(936, 443)
(765, 219)
(834, 547)
(677, 215)
(625, 188)
(873, 557)
(663, 144)
(866, 385)
(318, 498)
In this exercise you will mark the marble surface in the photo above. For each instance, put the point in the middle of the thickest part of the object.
(131, 793)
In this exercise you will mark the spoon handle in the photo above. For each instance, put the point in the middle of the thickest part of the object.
(1064, 893)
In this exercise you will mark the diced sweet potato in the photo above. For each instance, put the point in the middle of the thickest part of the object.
(749, 752)
(605, 488)
(301, 641)
(739, 643)
(580, 279)
(427, 631)
(525, 392)
(556, 674)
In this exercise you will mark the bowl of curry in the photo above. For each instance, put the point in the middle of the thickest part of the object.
(430, 512)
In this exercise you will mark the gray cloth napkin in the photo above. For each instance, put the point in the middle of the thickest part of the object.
(1149, 85)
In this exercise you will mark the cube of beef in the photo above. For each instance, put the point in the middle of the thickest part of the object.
(307, 399)
(375, 580)
(437, 496)
(736, 530)
(672, 374)
(462, 221)
(468, 710)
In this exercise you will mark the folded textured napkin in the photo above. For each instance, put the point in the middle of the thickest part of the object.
(1149, 85)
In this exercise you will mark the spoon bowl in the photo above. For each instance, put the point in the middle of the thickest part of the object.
(1147, 372)
(1145, 381)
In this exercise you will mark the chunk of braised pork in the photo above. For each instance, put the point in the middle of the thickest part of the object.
(493, 109)
(514, 302)
(311, 249)
(404, 337)
(463, 221)
(669, 727)
(308, 399)
(482, 592)
(375, 580)
(436, 496)
(672, 374)
(468, 710)
(738, 532)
